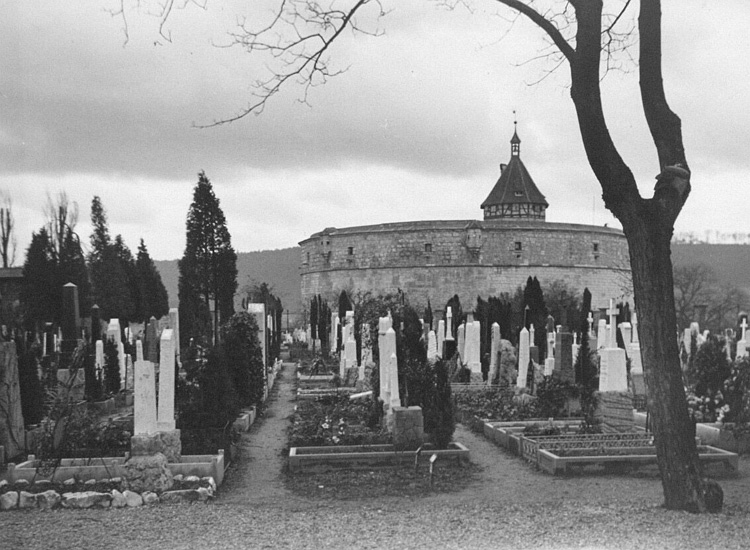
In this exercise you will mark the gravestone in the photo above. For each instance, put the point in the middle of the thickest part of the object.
(167, 354)
(174, 324)
(549, 362)
(334, 332)
(408, 428)
(533, 348)
(96, 323)
(12, 435)
(494, 350)
(564, 370)
(613, 361)
(440, 338)
(152, 340)
(432, 348)
(144, 398)
(259, 312)
(601, 335)
(461, 342)
(614, 411)
(99, 361)
(472, 347)
(384, 324)
(139, 350)
(742, 342)
(524, 356)
(71, 384)
(70, 323)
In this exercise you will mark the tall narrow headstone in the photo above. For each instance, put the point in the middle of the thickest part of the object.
(462, 342)
(165, 415)
(533, 348)
(123, 366)
(383, 327)
(144, 399)
(472, 346)
(440, 337)
(139, 350)
(174, 324)
(432, 346)
(564, 370)
(449, 324)
(259, 312)
(613, 362)
(494, 349)
(524, 356)
(99, 359)
(742, 342)
(152, 340)
(71, 319)
(96, 323)
(601, 335)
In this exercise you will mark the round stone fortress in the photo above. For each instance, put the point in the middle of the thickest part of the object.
(437, 259)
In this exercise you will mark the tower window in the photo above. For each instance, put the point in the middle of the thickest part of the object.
(517, 246)
(596, 247)
(518, 193)
(428, 248)
(350, 251)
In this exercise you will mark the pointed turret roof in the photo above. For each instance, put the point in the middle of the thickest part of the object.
(515, 185)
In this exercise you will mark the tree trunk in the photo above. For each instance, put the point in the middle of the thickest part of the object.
(674, 431)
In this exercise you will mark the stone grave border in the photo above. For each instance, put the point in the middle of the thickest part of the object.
(549, 462)
(366, 456)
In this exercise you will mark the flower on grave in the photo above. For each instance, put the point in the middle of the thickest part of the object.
(335, 440)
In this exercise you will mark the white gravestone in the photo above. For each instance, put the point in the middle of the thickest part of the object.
(613, 374)
(99, 362)
(494, 348)
(462, 342)
(472, 346)
(634, 351)
(350, 350)
(165, 415)
(440, 337)
(742, 342)
(524, 356)
(144, 399)
(601, 335)
(259, 312)
(549, 362)
(123, 365)
(432, 346)
(174, 324)
(139, 350)
(449, 324)
(383, 326)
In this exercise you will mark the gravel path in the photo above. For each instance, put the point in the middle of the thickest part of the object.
(509, 506)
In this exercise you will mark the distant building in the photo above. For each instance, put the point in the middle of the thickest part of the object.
(437, 259)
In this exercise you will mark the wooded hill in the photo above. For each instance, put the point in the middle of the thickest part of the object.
(280, 269)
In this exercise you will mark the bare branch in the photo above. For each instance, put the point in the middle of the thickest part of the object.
(547, 25)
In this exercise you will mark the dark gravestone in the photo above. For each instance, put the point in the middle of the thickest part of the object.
(564, 370)
(71, 319)
(96, 324)
(534, 353)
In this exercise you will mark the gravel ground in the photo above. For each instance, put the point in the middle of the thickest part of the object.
(507, 504)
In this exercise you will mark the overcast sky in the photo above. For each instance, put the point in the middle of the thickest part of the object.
(415, 129)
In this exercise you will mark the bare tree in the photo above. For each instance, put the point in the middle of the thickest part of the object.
(8, 240)
(300, 36)
(61, 217)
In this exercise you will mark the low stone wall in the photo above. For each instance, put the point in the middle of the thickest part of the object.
(104, 493)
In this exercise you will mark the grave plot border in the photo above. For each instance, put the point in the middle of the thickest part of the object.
(508, 434)
(366, 456)
(532, 444)
(551, 463)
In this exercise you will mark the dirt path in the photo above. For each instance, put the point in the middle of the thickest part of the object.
(258, 475)
(258, 472)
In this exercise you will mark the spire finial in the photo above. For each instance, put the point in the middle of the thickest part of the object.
(515, 140)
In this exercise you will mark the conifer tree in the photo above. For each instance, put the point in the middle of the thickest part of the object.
(152, 295)
(109, 261)
(208, 268)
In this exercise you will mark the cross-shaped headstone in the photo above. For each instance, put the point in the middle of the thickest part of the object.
(613, 311)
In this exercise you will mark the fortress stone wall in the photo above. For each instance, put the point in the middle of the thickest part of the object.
(436, 259)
